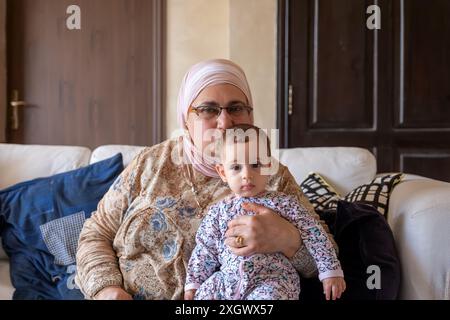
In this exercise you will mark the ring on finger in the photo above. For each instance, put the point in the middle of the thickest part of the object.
(239, 241)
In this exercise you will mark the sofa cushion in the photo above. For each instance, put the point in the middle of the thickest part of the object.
(3, 255)
(343, 167)
(6, 289)
(319, 192)
(104, 152)
(25, 162)
(376, 193)
(40, 221)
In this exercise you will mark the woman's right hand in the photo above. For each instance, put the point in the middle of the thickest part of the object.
(113, 293)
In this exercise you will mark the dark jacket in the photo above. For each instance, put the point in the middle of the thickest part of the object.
(364, 239)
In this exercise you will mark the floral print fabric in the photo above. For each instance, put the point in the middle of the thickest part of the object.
(217, 273)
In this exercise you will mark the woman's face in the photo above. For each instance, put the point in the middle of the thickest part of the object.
(223, 95)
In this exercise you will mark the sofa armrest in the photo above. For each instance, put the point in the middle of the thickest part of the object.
(3, 255)
(6, 288)
(419, 215)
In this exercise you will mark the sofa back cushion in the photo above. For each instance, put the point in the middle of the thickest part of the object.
(107, 151)
(344, 167)
(19, 162)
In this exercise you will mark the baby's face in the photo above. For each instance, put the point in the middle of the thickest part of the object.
(241, 169)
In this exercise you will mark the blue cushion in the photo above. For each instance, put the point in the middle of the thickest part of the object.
(40, 222)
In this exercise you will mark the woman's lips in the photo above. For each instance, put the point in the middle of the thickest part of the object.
(247, 187)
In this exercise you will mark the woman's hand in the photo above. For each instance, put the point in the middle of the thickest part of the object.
(265, 232)
(333, 287)
(113, 293)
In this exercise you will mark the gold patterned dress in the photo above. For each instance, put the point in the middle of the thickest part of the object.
(143, 231)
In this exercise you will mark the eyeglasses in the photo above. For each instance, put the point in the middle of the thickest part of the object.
(209, 111)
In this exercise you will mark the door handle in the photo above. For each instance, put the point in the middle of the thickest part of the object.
(15, 105)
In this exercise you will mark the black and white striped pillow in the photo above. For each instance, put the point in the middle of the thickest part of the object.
(321, 194)
(376, 193)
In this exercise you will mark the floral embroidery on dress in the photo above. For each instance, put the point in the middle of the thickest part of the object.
(169, 249)
(187, 211)
(117, 184)
(159, 221)
(128, 266)
(140, 295)
(165, 202)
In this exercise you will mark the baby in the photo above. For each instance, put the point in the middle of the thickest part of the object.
(214, 272)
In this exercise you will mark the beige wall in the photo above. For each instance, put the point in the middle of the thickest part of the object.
(253, 46)
(196, 30)
(241, 30)
(3, 98)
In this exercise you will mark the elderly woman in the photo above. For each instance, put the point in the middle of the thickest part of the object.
(138, 242)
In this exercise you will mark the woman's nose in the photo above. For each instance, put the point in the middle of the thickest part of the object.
(224, 121)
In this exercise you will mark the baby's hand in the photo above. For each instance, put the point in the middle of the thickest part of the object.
(333, 287)
(189, 294)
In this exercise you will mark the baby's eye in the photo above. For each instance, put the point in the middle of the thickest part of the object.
(256, 165)
(236, 167)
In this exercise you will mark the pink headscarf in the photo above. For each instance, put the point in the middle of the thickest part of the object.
(198, 77)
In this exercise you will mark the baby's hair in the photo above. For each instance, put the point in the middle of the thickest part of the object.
(242, 133)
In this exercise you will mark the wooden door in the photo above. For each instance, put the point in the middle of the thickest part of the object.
(98, 85)
(385, 90)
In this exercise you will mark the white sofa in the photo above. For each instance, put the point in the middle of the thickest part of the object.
(419, 208)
